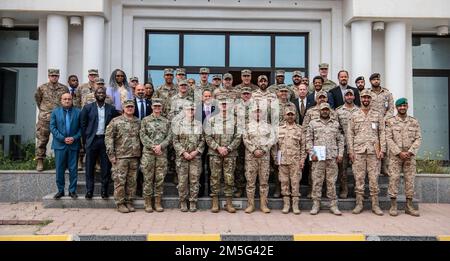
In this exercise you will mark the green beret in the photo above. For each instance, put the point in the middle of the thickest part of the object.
(401, 101)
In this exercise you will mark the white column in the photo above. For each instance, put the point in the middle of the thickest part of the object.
(93, 43)
(57, 42)
(361, 50)
(395, 58)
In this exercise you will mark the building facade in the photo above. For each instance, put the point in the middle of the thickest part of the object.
(398, 39)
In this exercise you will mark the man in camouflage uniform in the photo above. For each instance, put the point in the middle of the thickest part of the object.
(279, 79)
(403, 137)
(155, 136)
(134, 82)
(360, 83)
(296, 80)
(327, 83)
(166, 91)
(246, 77)
(283, 102)
(180, 74)
(366, 141)
(179, 101)
(382, 101)
(227, 89)
(344, 112)
(258, 138)
(270, 100)
(189, 145)
(290, 158)
(88, 87)
(325, 132)
(89, 98)
(47, 97)
(202, 85)
(223, 139)
(123, 148)
(216, 82)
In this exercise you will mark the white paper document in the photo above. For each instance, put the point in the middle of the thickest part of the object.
(320, 152)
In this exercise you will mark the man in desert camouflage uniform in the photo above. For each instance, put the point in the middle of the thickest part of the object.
(223, 139)
(259, 137)
(325, 132)
(123, 148)
(296, 80)
(155, 136)
(47, 97)
(227, 89)
(283, 102)
(327, 83)
(290, 158)
(403, 138)
(279, 82)
(344, 112)
(189, 144)
(246, 77)
(366, 141)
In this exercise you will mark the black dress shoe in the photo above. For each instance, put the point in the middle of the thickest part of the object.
(104, 195)
(58, 195)
(88, 195)
(73, 195)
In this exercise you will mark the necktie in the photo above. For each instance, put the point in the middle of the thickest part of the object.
(142, 109)
(302, 108)
(67, 123)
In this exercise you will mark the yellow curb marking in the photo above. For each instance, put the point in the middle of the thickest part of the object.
(443, 238)
(183, 237)
(330, 237)
(36, 238)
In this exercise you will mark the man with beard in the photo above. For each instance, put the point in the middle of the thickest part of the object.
(296, 80)
(360, 83)
(336, 95)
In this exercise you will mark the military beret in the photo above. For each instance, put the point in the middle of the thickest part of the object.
(246, 90)
(359, 78)
(365, 92)
(279, 73)
(134, 78)
(246, 72)
(228, 76)
(99, 80)
(296, 73)
(374, 75)
(156, 101)
(401, 101)
(127, 103)
(93, 71)
(323, 66)
(348, 91)
(168, 71)
(182, 82)
(53, 72)
(216, 76)
(321, 93)
(181, 71)
(283, 87)
(324, 105)
(204, 70)
(262, 76)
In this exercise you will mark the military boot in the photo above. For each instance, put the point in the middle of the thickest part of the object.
(315, 208)
(250, 204)
(359, 204)
(376, 207)
(334, 208)
(229, 205)
(410, 208)
(40, 165)
(286, 206)
(158, 206)
(393, 210)
(183, 206)
(122, 208)
(148, 205)
(263, 204)
(192, 206)
(295, 208)
(215, 204)
(130, 207)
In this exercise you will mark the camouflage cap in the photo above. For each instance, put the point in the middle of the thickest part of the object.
(134, 78)
(246, 90)
(189, 106)
(401, 101)
(204, 70)
(296, 73)
(279, 73)
(246, 72)
(323, 66)
(324, 105)
(93, 71)
(216, 76)
(374, 75)
(261, 77)
(348, 91)
(53, 72)
(182, 82)
(99, 81)
(359, 78)
(127, 103)
(168, 71)
(321, 93)
(228, 76)
(289, 109)
(283, 88)
(157, 102)
(365, 92)
(181, 71)
(222, 99)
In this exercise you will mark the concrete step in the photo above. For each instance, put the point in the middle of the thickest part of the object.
(204, 203)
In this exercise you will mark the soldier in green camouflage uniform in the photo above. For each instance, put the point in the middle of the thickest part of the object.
(180, 100)
(180, 74)
(189, 144)
(123, 148)
(227, 89)
(274, 88)
(202, 85)
(156, 137)
(327, 83)
(47, 97)
(88, 87)
(166, 91)
(246, 77)
(89, 98)
(223, 139)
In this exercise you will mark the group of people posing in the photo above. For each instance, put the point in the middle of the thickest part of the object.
(237, 134)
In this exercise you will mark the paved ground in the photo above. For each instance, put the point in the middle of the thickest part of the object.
(434, 220)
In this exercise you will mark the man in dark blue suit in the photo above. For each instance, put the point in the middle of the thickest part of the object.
(336, 96)
(94, 118)
(301, 102)
(65, 128)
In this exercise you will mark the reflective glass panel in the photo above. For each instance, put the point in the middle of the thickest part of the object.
(163, 49)
(204, 50)
(249, 51)
(290, 51)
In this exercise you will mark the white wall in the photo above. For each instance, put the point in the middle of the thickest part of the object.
(75, 53)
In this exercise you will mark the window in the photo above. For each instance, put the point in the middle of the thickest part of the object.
(290, 51)
(163, 49)
(249, 51)
(204, 50)
(8, 89)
